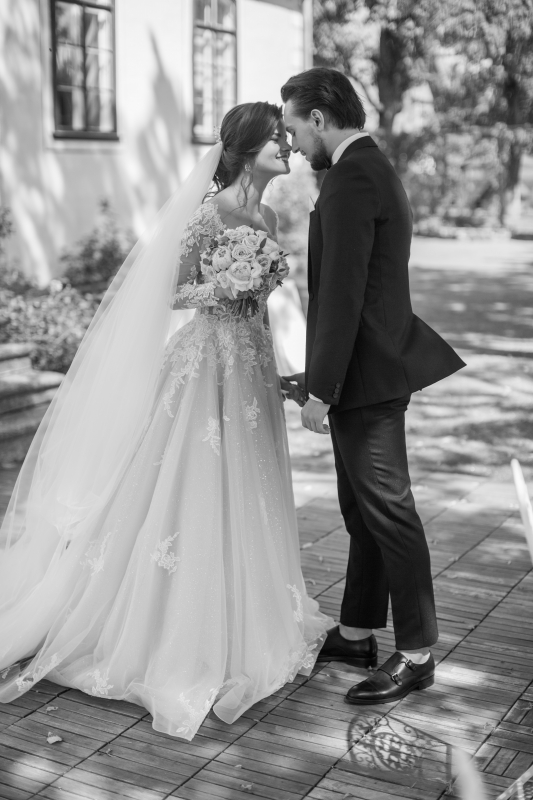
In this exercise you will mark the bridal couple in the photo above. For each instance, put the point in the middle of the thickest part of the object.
(150, 549)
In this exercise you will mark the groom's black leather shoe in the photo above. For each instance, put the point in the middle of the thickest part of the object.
(395, 679)
(363, 653)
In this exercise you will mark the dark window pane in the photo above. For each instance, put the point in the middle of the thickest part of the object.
(99, 70)
(98, 29)
(224, 75)
(203, 11)
(70, 108)
(85, 84)
(226, 14)
(204, 42)
(100, 114)
(68, 23)
(69, 65)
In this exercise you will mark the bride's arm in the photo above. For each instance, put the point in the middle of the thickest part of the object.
(192, 292)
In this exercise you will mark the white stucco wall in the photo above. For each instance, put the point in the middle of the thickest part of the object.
(54, 186)
(271, 49)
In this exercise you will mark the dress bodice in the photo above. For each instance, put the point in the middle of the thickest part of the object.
(192, 290)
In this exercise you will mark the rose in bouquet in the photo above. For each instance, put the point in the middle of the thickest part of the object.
(246, 262)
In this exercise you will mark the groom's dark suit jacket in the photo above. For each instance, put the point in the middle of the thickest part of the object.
(364, 344)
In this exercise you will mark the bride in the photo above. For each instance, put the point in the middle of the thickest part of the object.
(150, 549)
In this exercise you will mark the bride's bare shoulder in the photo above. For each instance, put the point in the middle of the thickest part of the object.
(223, 203)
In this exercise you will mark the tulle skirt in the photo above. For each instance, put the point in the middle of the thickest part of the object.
(187, 592)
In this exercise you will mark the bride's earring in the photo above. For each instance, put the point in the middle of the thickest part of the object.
(247, 167)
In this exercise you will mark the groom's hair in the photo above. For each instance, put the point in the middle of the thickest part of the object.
(329, 91)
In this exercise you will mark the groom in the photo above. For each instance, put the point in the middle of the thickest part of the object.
(366, 354)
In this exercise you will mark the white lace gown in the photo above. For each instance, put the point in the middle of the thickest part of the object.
(190, 594)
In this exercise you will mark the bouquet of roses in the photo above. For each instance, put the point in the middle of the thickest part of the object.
(245, 261)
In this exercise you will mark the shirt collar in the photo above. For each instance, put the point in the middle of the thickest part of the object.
(347, 142)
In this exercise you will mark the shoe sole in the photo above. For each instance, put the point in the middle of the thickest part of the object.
(425, 684)
(353, 662)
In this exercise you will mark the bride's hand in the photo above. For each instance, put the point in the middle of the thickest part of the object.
(292, 392)
(224, 294)
(228, 294)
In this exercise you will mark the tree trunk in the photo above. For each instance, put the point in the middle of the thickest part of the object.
(390, 80)
(511, 159)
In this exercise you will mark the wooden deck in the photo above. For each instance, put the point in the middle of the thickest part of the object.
(305, 741)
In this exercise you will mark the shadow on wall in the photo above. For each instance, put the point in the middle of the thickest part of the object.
(54, 194)
(163, 140)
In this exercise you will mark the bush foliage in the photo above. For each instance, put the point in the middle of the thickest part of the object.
(96, 258)
(56, 318)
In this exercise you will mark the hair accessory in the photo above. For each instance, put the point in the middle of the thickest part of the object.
(216, 131)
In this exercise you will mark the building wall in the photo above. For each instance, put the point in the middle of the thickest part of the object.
(54, 186)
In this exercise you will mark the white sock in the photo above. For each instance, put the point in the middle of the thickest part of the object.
(416, 658)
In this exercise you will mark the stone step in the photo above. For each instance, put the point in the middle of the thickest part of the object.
(15, 357)
(20, 390)
(21, 423)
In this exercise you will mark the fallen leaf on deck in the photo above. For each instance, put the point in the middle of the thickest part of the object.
(306, 545)
(247, 786)
(51, 708)
(238, 766)
(52, 738)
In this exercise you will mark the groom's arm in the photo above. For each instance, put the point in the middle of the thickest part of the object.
(349, 206)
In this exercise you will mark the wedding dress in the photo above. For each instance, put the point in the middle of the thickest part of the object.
(184, 592)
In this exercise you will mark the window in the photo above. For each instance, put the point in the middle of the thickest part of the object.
(215, 64)
(84, 69)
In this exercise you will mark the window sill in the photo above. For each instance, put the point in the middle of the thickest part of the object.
(87, 135)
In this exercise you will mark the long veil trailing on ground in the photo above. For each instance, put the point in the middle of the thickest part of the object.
(91, 430)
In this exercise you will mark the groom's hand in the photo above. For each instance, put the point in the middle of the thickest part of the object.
(313, 415)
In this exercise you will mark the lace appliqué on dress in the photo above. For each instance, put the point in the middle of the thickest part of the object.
(204, 222)
(163, 558)
(26, 682)
(97, 563)
(213, 433)
(101, 686)
(196, 295)
(194, 716)
(298, 612)
(220, 340)
(251, 413)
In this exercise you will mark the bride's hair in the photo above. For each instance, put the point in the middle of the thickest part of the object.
(244, 132)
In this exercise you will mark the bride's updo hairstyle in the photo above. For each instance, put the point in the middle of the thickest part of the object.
(244, 132)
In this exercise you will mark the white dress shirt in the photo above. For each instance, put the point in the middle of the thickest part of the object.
(334, 158)
(347, 142)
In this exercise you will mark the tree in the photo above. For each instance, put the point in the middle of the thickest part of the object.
(487, 84)
(384, 45)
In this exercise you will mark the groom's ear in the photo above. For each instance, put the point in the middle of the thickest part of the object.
(318, 119)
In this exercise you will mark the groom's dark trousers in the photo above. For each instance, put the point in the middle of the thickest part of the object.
(366, 353)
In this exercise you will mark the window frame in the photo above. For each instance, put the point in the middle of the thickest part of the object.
(215, 28)
(59, 133)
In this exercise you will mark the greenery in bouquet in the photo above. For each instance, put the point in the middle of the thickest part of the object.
(248, 263)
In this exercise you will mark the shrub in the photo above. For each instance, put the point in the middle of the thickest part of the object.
(53, 321)
(95, 260)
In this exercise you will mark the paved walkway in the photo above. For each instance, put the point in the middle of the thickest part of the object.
(305, 741)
